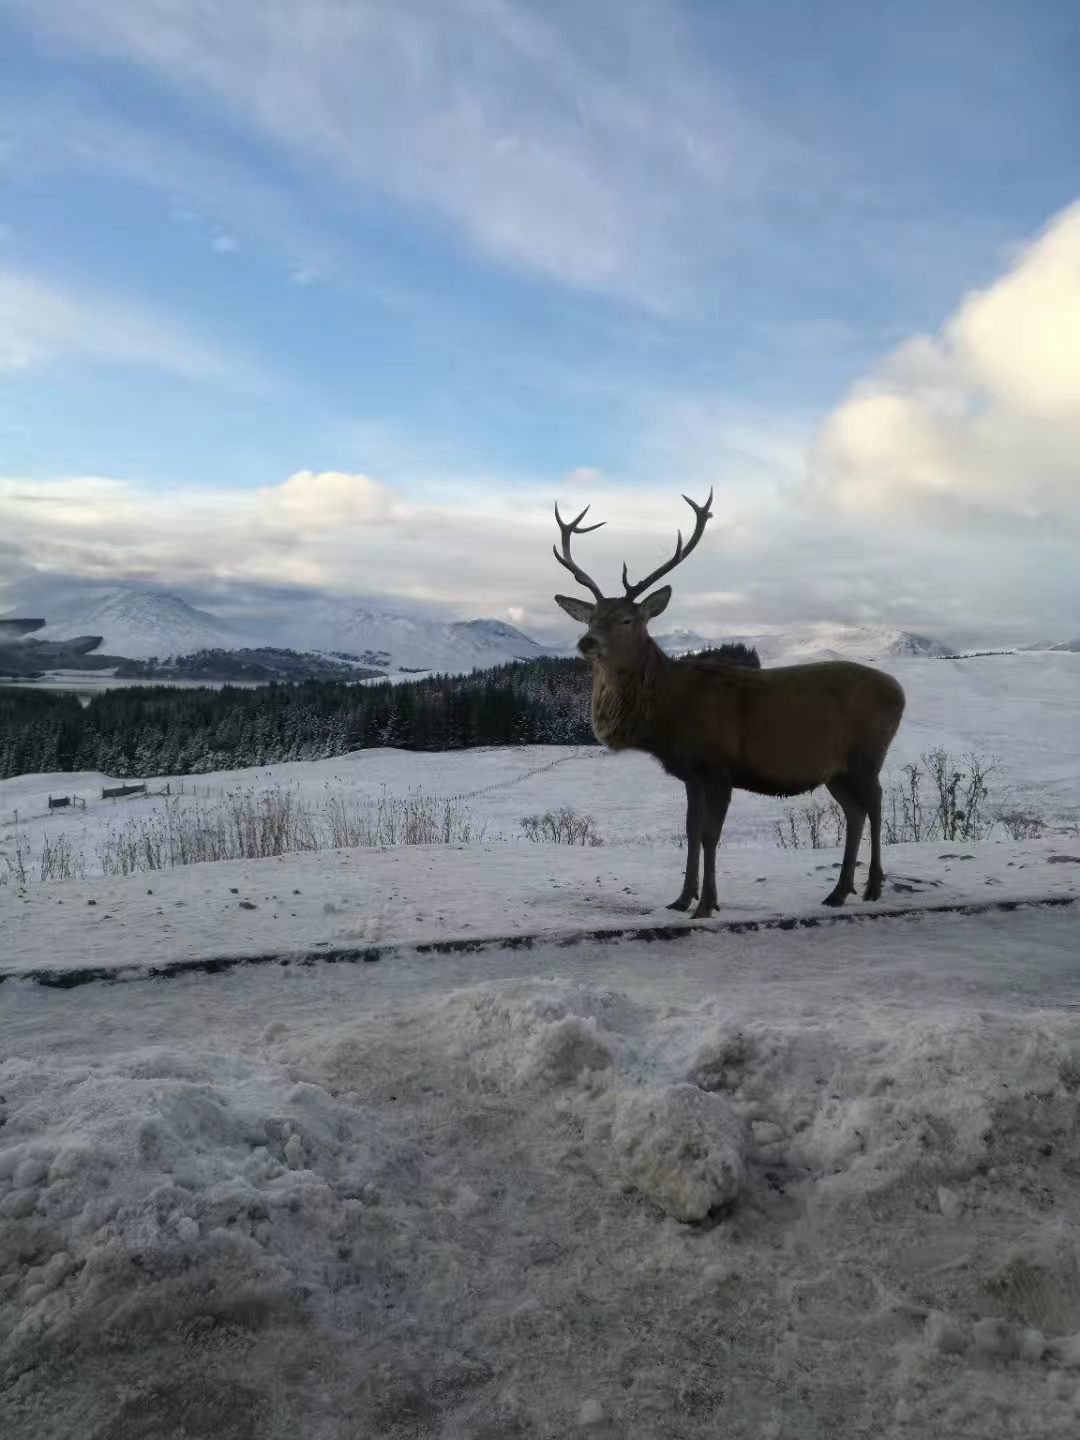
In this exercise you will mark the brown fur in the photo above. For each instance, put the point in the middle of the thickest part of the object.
(719, 727)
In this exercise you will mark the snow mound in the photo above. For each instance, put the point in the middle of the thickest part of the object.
(912, 1103)
(168, 1198)
(542, 1034)
(565, 1051)
(677, 1146)
(456, 1195)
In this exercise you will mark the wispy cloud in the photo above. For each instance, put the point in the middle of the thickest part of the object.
(52, 138)
(570, 151)
(41, 322)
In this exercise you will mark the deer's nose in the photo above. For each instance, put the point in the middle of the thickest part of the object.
(587, 644)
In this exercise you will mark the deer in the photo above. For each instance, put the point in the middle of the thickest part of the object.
(720, 727)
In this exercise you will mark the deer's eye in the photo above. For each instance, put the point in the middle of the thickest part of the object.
(625, 620)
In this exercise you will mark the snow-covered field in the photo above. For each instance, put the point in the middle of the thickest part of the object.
(772, 1182)
(1022, 708)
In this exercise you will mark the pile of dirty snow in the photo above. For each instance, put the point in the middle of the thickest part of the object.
(810, 1184)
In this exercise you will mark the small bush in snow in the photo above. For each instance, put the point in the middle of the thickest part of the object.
(941, 798)
(1022, 825)
(18, 863)
(414, 819)
(60, 862)
(561, 827)
(959, 788)
(813, 826)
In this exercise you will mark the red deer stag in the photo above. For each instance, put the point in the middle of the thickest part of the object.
(719, 727)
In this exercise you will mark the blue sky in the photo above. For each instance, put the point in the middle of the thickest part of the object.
(478, 254)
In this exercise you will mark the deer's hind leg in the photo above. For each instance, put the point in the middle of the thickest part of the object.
(695, 815)
(848, 794)
(870, 792)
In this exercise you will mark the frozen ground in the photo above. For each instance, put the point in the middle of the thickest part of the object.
(802, 1183)
(356, 899)
(805, 1184)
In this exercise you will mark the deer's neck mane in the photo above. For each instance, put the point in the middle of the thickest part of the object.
(624, 702)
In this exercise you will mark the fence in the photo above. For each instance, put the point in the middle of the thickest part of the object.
(116, 792)
(61, 802)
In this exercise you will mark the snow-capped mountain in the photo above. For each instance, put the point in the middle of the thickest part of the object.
(395, 641)
(138, 624)
(682, 642)
(822, 641)
(826, 641)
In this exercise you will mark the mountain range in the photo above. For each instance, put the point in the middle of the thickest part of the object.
(829, 641)
(140, 623)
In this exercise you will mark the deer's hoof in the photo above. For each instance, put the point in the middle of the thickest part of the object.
(682, 903)
(836, 898)
(704, 910)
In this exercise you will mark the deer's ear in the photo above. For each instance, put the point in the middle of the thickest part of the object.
(580, 609)
(654, 604)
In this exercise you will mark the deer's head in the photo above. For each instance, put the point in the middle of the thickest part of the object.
(616, 636)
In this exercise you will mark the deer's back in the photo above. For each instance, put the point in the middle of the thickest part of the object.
(780, 730)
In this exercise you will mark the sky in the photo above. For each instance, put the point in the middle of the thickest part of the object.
(342, 297)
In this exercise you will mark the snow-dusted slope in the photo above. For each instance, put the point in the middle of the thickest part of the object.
(397, 641)
(825, 641)
(139, 623)
(821, 641)
(683, 642)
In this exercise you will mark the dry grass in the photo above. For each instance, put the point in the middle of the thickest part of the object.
(246, 825)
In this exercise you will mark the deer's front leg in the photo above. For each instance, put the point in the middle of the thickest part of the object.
(717, 798)
(695, 814)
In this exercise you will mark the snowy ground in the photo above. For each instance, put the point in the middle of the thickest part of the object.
(812, 1182)
(475, 1196)
(1021, 708)
(359, 899)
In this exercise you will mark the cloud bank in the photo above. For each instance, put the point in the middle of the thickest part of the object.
(942, 493)
(979, 425)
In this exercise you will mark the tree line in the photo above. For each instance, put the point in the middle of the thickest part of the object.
(163, 730)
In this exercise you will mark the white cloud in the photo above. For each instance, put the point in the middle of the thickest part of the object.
(476, 545)
(981, 420)
(40, 322)
(481, 113)
(315, 503)
(481, 546)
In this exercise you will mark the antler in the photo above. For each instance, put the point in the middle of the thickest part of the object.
(703, 515)
(575, 527)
